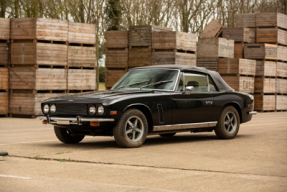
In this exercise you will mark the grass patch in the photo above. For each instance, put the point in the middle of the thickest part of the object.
(2, 159)
(102, 86)
(38, 156)
(59, 153)
(64, 160)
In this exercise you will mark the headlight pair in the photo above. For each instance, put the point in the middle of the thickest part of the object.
(47, 108)
(100, 110)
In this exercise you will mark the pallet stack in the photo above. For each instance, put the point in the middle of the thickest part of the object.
(4, 64)
(117, 54)
(81, 73)
(38, 63)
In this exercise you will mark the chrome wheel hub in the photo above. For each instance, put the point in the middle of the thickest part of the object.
(134, 128)
(230, 122)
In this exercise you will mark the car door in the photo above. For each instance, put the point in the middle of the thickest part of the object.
(192, 106)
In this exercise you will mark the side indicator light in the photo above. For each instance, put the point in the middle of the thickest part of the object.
(113, 112)
(44, 122)
(94, 124)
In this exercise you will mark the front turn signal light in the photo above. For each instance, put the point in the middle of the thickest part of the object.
(94, 124)
(113, 112)
(44, 122)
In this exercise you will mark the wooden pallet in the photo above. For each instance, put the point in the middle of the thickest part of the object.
(4, 52)
(282, 53)
(215, 48)
(4, 77)
(266, 68)
(4, 102)
(81, 79)
(174, 40)
(271, 20)
(210, 64)
(265, 85)
(38, 79)
(141, 35)
(139, 57)
(5, 29)
(29, 103)
(260, 51)
(271, 35)
(281, 86)
(39, 53)
(173, 57)
(39, 28)
(236, 66)
(281, 69)
(239, 34)
(240, 83)
(245, 20)
(281, 102)
(82, 33)
(116, 39)
(264, 102)
(112, 76)
(117, 58)
(212, 29)
(81, 56)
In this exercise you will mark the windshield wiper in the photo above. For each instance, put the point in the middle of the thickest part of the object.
(132, 84)
(156, 83)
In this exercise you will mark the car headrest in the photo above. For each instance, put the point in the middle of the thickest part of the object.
(192, 83)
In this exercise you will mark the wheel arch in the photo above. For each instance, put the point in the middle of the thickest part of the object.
(236, 106)
(145, 110)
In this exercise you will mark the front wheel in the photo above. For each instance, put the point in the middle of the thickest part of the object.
(131, 130)
(65, 136)
(228, 124)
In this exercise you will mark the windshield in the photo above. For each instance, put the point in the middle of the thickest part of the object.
(162, 79)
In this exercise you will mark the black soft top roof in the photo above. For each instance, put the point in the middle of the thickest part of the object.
(220, 83)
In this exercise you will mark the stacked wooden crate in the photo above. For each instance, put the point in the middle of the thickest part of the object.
(140, 44)
(211, 49)
(81, 73)
(4, 64)
(38, 63)
(173, 48)
(117, 54)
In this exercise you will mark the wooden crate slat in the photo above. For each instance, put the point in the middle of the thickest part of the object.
(116, 39)
(4, 53)
(264, 102)
(281, 102)
(245, 20)
(82, 33)
(117, 58)
(236, 66)
(282, 53)
(81, 56)
(4, 79)
(112, 76)
(212, 29)
(240, 83)
(271, 35)
(260, 51)
(281, 86)
(239, 34)
(281, 69)
(139, 57)
(174, 40)
(4, 100)
(266, 68)
(210, 64)
(39, 28)
(238, 50)
(271, 20)
(5, 29)
(39, 54)
(215, 48)
(265, 85)
(176, 58)
(81, 79)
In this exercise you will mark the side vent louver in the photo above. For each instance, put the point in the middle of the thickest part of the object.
(160, 113)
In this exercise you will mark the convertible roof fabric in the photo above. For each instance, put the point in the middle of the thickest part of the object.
(220, 83)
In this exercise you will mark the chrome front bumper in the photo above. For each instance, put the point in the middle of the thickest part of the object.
(252, 112)
(73, 120)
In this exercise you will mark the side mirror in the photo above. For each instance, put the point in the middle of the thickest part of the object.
(189, 88)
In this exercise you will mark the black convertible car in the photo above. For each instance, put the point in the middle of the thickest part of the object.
(151, 100)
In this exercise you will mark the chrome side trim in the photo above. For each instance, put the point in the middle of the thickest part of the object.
(184, 126)
(74, 120)
(252, 112)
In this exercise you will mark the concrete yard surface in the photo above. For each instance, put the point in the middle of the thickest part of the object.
(256, 160)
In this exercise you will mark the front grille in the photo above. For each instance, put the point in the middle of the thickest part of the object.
(72, 109)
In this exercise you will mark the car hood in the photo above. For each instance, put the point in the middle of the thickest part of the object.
(104, 97)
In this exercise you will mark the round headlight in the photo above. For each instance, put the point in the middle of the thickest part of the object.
(101, 110)
(46, 108)
(53, 108)
(92, 110)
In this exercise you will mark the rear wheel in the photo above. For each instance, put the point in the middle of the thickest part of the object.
(228, 124)
(131, 130)
(167, 135)
(65, 136)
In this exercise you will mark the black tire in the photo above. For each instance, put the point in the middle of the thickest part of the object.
(129, 132)
(167, 135)
(64, 136)
(228, 124)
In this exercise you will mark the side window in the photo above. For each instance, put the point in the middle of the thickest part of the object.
(212, 87)
(198, 81)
